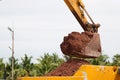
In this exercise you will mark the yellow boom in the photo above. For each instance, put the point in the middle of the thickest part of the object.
(78, 9)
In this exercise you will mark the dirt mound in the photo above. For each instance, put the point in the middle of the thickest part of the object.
(85, 44)
(68, 68)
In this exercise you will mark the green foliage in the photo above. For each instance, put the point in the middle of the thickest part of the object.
(102, 60)
(9, 67)
(26, 64)
(48, 63)
(116, 60)
(1, 68)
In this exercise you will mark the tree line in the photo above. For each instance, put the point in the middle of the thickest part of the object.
(46, 64)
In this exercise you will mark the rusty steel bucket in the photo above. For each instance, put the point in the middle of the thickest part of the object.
(84, 45)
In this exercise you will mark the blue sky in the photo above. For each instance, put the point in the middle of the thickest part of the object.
(40, 25)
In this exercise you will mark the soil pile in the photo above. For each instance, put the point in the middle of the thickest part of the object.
(76, 43)
(68, 68)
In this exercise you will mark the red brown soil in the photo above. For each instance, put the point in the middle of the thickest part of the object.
(68, 68)
(76, 42)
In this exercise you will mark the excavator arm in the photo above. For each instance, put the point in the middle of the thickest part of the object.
(78, 9)
(85, 44)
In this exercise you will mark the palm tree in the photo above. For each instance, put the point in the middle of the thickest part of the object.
(116, 60)
(1, 68)
(102, 60)
(9, 68)
(48, 63)
(27, 65)
(56, 59)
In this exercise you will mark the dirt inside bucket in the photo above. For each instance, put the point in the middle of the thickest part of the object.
(75, 44)
(68, 68)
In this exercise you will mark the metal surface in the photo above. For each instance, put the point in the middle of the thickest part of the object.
(76, 48)
(54, 78)
(78, 9)
(99, 72)
(93, 49)
(85, 72)
(77, 12)
(88, 15)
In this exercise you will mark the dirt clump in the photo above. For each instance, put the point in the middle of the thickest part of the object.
(77, 44)
(68, 68)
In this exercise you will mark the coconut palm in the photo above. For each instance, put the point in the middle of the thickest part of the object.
(1, 68)
(48, 63)
(116, 60)
(9, 67)
(102, 60)
(27, 65)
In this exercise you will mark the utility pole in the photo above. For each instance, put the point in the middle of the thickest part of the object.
(12, 49)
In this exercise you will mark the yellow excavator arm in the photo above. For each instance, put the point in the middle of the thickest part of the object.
(71, 46)
(78, 9)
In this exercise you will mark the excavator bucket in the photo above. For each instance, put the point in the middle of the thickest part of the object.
(84, 45)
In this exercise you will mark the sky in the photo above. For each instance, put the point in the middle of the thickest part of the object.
(40, 26)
